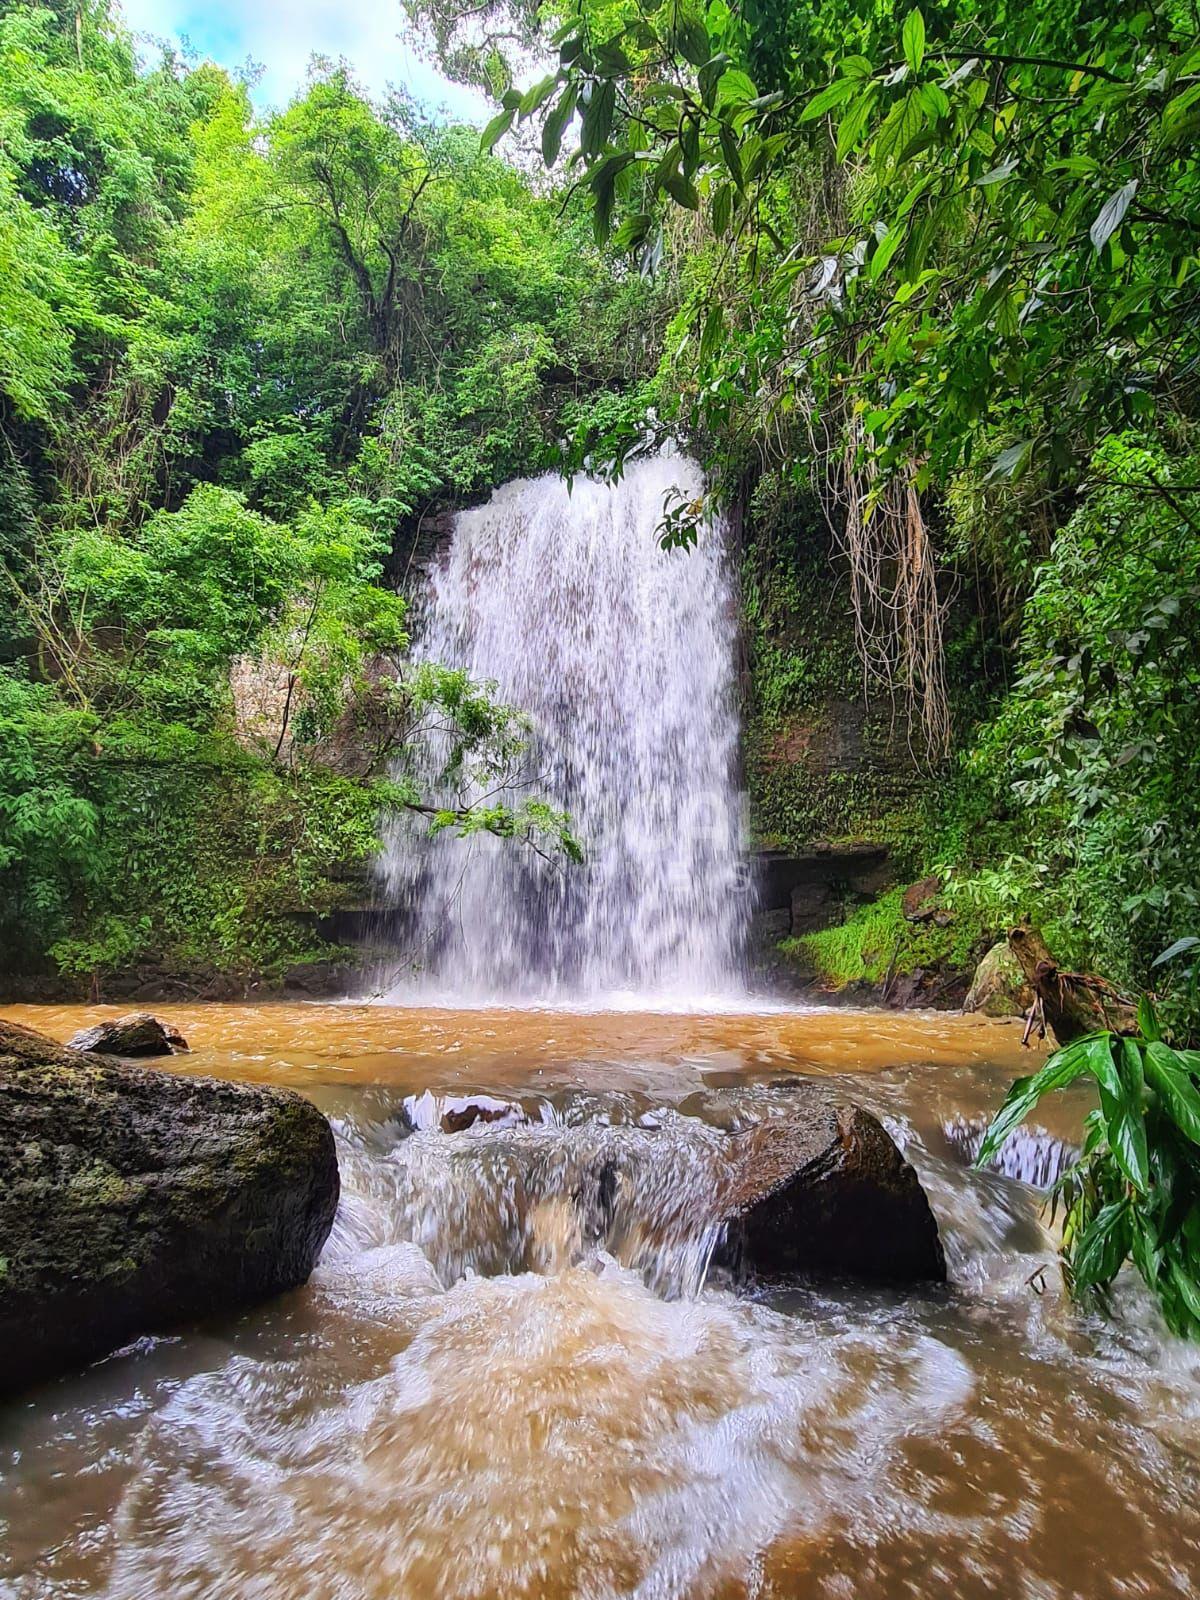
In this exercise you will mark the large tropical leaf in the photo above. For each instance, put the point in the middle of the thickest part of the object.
(1063, 1067)
(1168, 1075)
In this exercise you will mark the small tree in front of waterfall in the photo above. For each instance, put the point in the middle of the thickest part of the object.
(1135, 1192)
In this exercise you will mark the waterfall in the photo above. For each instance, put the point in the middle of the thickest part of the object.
(621, 654)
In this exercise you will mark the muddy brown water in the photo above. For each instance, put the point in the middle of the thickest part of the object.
(472, 1401)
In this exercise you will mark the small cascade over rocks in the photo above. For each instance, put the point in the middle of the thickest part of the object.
(622, 656)
(769, 1186)
(1031, 1155)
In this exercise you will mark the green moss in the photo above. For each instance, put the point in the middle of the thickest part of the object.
(819, 764)
(876, 940)
(100, 1185)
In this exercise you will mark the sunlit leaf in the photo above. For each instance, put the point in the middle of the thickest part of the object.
(1111, 215)
(495, 130)
(829, 98)
(913, 39)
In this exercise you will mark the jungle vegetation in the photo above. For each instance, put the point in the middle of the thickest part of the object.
(928, 275)
(240, 358)
(939, 270)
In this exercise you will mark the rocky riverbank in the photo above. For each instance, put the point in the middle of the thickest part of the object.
(133, 1200)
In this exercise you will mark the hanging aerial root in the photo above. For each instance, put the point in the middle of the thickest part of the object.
(898, 614)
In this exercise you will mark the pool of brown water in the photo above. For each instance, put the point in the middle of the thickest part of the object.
(468, 1400)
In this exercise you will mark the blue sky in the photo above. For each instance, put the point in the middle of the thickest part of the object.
(280, 35)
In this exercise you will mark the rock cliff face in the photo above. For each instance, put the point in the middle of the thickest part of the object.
(830, 774)
(132, 1200)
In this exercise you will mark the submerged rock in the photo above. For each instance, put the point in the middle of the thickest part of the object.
(138, 1034)
(456, 1113)
(133, 1199)
(826, 1191)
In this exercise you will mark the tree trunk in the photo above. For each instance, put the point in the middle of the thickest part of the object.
(1074, 1003)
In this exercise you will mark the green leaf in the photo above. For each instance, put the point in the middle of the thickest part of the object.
(900, 127)
(1148, 1019)
(998, 174)
(1188, 942)
(913, 40)
(722, 210)
(884, 252)
(690, 38)
(535, 98)
(1120, 1082)
(714, 325)
(1111, 215)
(731, 150)
(1063, 1067)
(1145, 1250)
(832, 95)
(597, 117)
(681, 191)
(555, 125)
(1011, 462)
(710, 76)
(1189, 1291)
(854, 121)
(495, 130)
(632, 231)
(1101, 1247)
(736, 88)
(602, 182)
(1167, 1073)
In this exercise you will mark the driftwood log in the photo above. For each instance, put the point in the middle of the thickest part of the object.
(1071, 1003)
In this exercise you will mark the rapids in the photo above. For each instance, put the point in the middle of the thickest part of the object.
(475, 1398)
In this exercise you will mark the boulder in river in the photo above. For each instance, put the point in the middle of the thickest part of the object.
(138, 1034)
(133, 1199)
(790, 1183)
(999, 988)
(824, 1191)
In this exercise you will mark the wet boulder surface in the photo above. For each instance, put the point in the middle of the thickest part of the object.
(770, 1184)
(825, 1191)
(139, 1034)
(133, 1200)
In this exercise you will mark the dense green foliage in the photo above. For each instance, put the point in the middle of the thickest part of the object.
(876, 943)
(1135, 1193)
(943, 269)
(1082, 789)
(239, 359)
(922, 289)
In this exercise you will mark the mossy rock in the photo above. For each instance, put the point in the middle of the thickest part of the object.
(132, 1200)
(999, 987)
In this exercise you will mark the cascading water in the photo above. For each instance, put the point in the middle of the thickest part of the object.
(621, 654)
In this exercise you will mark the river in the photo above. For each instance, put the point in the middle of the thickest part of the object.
(432, 1417)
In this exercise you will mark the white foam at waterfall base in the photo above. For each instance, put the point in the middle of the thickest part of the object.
(622, 655)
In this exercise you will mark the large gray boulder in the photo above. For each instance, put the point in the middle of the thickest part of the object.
(133, 1199)
(999, 987)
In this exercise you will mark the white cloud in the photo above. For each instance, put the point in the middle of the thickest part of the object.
(281, 35)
